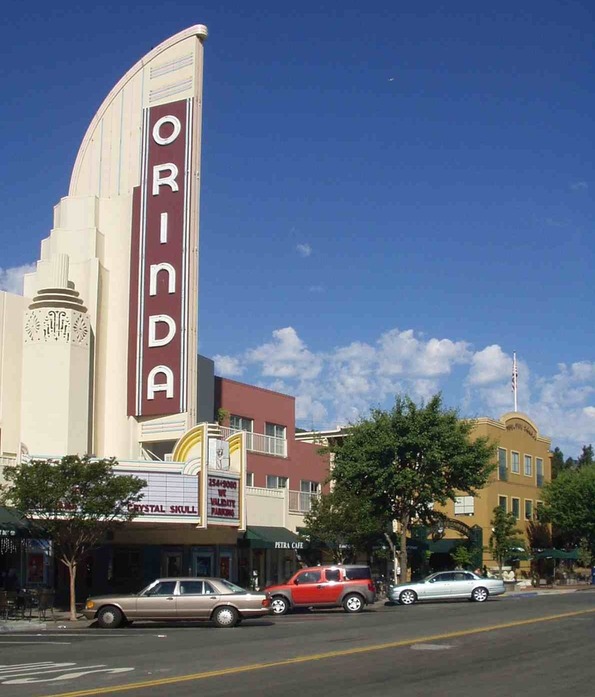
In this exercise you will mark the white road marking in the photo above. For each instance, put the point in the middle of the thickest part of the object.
(430, 647)
(25, 673)
(27, 643)
(68, 676)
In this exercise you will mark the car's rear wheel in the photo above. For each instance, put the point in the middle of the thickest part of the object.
(225, 616)
(480, 595)
(110, 617)
(407, 597)
(279, 605)
(353, 603)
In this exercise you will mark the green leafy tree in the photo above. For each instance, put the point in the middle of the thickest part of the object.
(462, 557)
(506, 540)
(569, 504)
(343, 522)
(585, 459)
(539, 535)
(405, 460)
(76, 500)
(558, 462)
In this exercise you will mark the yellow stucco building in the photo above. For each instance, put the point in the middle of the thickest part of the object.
(523, 466)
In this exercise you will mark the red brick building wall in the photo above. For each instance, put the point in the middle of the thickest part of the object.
(303, 461)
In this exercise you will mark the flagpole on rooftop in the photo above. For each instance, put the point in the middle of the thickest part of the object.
(515, 379)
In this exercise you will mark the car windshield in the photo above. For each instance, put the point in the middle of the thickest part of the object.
(146, 589)
(232, 586)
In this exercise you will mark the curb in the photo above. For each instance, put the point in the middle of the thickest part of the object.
(29, 626)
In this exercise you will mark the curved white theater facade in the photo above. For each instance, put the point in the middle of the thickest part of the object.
(107, 357)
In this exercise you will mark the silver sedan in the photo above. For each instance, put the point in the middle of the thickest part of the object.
(445, 585)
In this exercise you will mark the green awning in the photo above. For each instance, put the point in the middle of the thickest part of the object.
(12, 523)
(445, 546)
(556, 554)
(260, 537)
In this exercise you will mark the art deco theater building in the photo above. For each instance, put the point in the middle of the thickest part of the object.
(99, 355)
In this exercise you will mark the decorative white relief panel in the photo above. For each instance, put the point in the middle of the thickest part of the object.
(48, 326)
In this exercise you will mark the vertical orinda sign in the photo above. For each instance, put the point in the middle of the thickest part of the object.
(160, 264)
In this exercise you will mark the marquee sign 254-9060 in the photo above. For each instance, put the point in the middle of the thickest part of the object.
(160, 263)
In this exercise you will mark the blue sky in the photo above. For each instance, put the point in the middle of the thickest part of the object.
(395, 197)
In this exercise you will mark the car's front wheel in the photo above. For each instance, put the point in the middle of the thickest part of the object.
(110, 617)
(480, 595)
(279, 605)
(225, 617)
(353, 603)
(407, 597)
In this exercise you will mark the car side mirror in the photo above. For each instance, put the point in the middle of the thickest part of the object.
(296, 582)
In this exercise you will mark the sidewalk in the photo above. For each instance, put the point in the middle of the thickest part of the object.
(60, 621)
(547, 590)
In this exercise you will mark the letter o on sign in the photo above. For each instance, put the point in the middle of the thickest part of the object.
(175, 122)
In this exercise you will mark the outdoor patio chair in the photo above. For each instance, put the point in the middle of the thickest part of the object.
(45, 602)
(4, 606)
(11, 603)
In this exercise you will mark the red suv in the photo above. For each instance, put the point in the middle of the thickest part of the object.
(349, 586)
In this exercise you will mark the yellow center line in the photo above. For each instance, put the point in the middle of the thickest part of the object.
(311, 657)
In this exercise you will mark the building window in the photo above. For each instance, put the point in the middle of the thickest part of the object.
(464, 505)
(539, 472)
(308, 491)
(528, 509)
(249, 478)
(503, 503)
(516, 508)
(275, 436)
(502, 474)
(515, 466)
(528, 466)
(276, 482)
(243, 423)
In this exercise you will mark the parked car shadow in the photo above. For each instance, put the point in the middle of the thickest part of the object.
(199, 624)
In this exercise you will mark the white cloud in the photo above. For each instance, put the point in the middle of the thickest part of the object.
(228, 366)
(285, 357)
(579, 186)
(11, 280)
(304, 249)
(489, 365)
(341, 385)
(403, 353)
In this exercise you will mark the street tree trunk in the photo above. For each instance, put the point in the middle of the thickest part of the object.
(71, 566)
(404, 526)
(394, 557)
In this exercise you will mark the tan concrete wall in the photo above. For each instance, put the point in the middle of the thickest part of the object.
(12, 311)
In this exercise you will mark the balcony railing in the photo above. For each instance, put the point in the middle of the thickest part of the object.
(259, 443)
(301, 501)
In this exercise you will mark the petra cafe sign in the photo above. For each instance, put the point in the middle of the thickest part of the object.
(160, 263)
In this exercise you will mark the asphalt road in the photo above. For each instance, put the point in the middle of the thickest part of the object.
(530, 646)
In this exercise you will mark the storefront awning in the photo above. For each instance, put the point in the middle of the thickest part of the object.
(557, 554)
(261, 537)
(12, 524)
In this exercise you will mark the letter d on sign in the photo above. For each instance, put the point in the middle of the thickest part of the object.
(171, 330)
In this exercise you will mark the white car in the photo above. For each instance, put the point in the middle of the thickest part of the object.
(445, 585)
